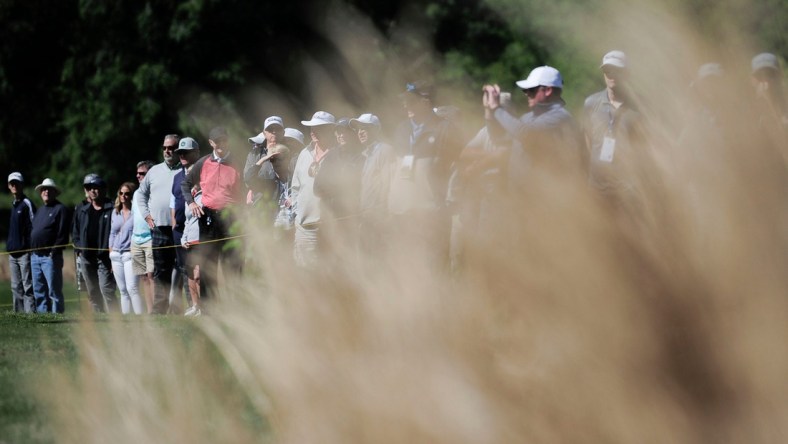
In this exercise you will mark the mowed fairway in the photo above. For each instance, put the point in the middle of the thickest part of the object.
(29, 345)
(33, 345)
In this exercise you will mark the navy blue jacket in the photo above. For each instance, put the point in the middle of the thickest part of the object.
(50, 227)
(180, 202)
(19, 229)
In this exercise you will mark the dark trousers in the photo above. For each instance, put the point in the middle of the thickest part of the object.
(179, 279)
(163, 264)
(97, 270)
(214, 226)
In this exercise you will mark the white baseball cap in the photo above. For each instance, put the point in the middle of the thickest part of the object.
(273, 120)
(542, 76)
(710, 70)
(614, 58)
(365, 120)
(320, 118)
(292, 133)
(15, 176)
(258, 139)
(765, 60)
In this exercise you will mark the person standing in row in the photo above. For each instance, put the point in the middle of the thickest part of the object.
(549, 138)
(375, 178)
(154, 203)
(307, 204)
(120, 251)
(219, 180)
(190, 242)
(338, 185)
(259, 175)
(49, 236)
(90, 235)
(771, 106)
(188, 153)
(613, 131)
(427, 146)
(142, 242)
(271, 201)
(18, 245)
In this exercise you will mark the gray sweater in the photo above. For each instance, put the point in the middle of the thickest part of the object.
(154, 193)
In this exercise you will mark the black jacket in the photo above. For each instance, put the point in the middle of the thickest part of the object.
(80, 227)
(440, 141)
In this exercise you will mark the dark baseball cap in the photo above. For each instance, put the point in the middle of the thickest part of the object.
(217, 133)
(420, 88)
(94, 179)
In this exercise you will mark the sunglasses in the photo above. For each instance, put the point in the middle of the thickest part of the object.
(612, 71)
(124, 193)
(142, 173)
(530, 92)
(92, 187)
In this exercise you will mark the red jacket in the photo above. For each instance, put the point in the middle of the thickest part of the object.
(219, 181)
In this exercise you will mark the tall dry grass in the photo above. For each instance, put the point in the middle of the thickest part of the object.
(661, 319)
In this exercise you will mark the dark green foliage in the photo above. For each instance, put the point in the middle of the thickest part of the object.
(93, 85)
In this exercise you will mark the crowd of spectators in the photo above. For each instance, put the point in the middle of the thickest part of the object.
(161, 241)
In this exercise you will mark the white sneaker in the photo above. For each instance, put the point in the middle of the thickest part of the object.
(193, 311)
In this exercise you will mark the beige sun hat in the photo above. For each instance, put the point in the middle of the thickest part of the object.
(47, 183)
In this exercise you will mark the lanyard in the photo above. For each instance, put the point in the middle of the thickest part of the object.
(611, 121)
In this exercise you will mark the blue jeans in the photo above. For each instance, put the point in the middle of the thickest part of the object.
(21, 282)
(48, 282)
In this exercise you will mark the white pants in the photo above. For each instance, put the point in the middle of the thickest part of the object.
(123, 269)
(305, 247)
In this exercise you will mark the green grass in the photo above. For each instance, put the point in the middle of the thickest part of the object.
(32, 343)
(28, 345)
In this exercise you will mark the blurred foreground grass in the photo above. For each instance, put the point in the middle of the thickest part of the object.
(32, 345)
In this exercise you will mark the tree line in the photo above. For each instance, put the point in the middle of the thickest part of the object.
(92, 85)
